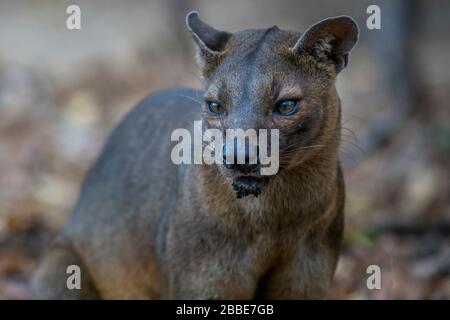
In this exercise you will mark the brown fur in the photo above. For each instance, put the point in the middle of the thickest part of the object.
(145, 228)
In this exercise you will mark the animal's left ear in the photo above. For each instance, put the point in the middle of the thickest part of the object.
(333, 38)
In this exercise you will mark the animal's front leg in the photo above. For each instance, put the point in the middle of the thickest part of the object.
(307, 276)
(307, 271)
(212, 281)
(203, 267)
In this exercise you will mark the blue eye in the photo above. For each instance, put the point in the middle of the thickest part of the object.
(215, 107)
(287, 107)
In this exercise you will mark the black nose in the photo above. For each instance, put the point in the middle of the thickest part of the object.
(244, 152)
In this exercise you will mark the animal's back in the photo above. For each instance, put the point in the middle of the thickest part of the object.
(114, 224)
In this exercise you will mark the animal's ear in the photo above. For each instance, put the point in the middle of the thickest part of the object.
(211, 42)
(333, 38)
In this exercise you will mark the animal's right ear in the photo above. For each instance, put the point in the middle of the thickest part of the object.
(211, 42)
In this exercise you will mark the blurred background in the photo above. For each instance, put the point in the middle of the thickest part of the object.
(62, 91)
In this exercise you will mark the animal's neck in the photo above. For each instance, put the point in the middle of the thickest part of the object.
(294, 192)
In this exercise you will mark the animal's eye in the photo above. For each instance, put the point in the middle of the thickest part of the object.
(287, 107)
(215, 107)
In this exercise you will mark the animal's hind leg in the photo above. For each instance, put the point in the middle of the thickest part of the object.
(50, 279)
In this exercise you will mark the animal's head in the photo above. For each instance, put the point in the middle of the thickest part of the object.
(273, 79)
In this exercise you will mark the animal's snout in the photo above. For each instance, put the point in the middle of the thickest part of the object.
(241, 155)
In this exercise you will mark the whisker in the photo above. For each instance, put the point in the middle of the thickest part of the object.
(190, 98)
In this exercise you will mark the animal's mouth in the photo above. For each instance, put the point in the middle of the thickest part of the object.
(249, 185)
